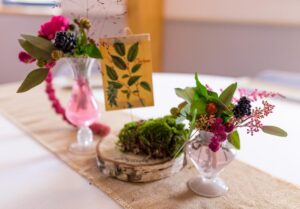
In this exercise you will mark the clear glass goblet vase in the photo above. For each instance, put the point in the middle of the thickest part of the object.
(209, 164)
(82, 109)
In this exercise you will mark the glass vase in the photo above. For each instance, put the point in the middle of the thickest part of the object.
(209, 164)
(82, 109)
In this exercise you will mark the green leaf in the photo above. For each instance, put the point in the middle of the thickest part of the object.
(111, 73)
(125, 91)
(120, 48)
(93, 51)
(118, 61)
(135, 68)
(33, 79)
(273, 130)
(133, 52)
(132, 80)
(227, 95)
(40, 42)
(234, 139)
(116, 85)
(212, 94)
(187, 94)
(145, 86)
(199, 104)
(193, 122)
(125, 76)
(112, 94)
(200, 88)
(35, 51)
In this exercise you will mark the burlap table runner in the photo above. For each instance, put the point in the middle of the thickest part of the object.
(249, 187)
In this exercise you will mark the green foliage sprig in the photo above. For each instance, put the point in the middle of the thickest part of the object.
(125, 60)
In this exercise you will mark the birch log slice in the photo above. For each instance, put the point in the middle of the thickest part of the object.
(134, 168)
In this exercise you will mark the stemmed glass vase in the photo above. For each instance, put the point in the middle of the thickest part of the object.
(209, 164)
(82, 109)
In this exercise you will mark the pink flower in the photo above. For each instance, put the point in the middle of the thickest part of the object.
(50, 64)
(25, 57)
(56, 24)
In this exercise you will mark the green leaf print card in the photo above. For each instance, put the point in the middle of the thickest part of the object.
(127, 71)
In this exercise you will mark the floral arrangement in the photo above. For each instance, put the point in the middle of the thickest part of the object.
(155, 138)
(56, 39)
(222, 114)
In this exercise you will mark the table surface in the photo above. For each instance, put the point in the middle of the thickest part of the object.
(33, 178)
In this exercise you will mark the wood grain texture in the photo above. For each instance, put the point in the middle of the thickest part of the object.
(146, 16)
(250, 188)
(134, 168)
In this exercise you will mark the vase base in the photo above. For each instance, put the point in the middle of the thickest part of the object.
(208, 187)
(79, 149)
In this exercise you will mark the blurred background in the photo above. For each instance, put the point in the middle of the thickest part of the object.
(252, 38)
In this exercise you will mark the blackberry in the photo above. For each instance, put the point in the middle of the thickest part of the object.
(242, 108)
(65, 41)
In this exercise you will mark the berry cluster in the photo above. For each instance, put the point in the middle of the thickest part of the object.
(242, 108)
(65, 41)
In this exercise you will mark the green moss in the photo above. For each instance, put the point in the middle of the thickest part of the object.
(157, 138)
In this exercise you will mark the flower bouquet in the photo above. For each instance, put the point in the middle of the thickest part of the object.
(57, 39)
(214, 120)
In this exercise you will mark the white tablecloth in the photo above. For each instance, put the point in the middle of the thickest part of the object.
(33, 178)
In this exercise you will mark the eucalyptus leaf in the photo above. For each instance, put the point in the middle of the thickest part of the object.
(187, 94)
(132, 80)
(145, 86)
(200, 88)
(111, 73)
(40, 42)
(135, 68)
(227, 95)
(115, 84)
(35, 51)
(119, 48)
(33, 79)
(93, 51)
(125, 76)
(273, 130)
(133, 52)
(119, 62)
(234, 139)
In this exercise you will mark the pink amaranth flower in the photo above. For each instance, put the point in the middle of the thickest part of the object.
(214, 146)
(55, 24)
(218, 129)
(253, 122)
(26, 58)
(256, 94)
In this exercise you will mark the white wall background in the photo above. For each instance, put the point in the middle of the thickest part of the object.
(200, 35)
(11, 28)
(232, 37)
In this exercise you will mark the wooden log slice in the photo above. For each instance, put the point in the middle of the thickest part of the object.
(134, 168)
